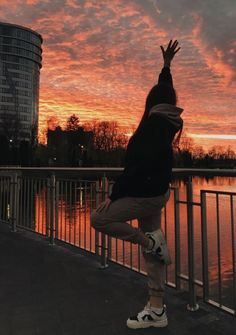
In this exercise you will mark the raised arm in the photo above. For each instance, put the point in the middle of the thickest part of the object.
(168, 55)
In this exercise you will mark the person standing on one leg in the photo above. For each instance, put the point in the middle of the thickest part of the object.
(142, 190)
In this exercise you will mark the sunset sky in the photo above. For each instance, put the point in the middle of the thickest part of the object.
(101, 57)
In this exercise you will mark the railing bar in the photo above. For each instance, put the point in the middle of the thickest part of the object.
(186, 278)
(33, 207)
(109, 187)
(204, 246)
(193, 203)
(116, 249)
(97, 189)
(5, 189)
(177, 237)
(36, 182)
(4, 197)
(1, 203)
(7, 198)
(233, 249)
(139, 258)
(39, 220)
(70, 209)
(28, 202)
(80, 207)
(3, 209)
(24, 200)
(85, 214)
(75, 210)
(2, 206)
(123, 251)
(20, 202)
(56, 207)
(90, 210)
(8, 195)
(47, 206)
(218, 249)
(193, 306)
(42, 204)
(220, 192)
(66, 205)
(61, 192)
(130, 250)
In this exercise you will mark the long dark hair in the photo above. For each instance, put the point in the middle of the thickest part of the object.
(159, 94)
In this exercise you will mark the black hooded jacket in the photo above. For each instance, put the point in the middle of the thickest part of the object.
(149, 156)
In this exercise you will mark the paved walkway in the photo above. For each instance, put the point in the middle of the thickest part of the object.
(58, 290)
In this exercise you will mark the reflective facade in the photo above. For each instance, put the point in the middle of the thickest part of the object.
(20, 64)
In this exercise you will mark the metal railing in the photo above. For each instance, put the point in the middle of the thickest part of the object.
(57, 203)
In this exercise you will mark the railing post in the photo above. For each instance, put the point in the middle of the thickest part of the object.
(13, 201)
(56, 207)
(48, 207)
(192, 306)
(109, 238)
(204, 247)
(52, 208)
(104, 248)
(96, 205)
(177, 238)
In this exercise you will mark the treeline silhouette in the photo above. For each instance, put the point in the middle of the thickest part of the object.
(98, 143)
(102, 143)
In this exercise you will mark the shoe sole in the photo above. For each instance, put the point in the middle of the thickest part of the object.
(138, 324)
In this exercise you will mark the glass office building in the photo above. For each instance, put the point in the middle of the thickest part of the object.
(20, 64)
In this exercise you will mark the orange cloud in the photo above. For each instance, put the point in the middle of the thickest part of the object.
(101, 58)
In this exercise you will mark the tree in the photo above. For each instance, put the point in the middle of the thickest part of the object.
(216, 152)
(198, 152)
(72, 123)
(107, 135)
(186, 143)
(230, 154)
(52, 122)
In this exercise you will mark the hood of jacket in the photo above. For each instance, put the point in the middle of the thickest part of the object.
(170, 113)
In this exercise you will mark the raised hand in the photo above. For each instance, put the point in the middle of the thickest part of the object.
(170, 52)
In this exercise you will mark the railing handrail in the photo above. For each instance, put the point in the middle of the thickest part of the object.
(176, 171)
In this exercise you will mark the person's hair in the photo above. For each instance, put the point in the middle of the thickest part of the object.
(159, 94)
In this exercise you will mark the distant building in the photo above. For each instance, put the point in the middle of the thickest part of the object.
(20, 64)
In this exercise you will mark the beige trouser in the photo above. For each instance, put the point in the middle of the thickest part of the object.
(147, 211)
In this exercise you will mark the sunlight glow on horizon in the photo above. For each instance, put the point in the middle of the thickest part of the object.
(214, 136)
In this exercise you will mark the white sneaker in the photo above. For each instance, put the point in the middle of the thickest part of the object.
(159, 248)
(149, 317)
